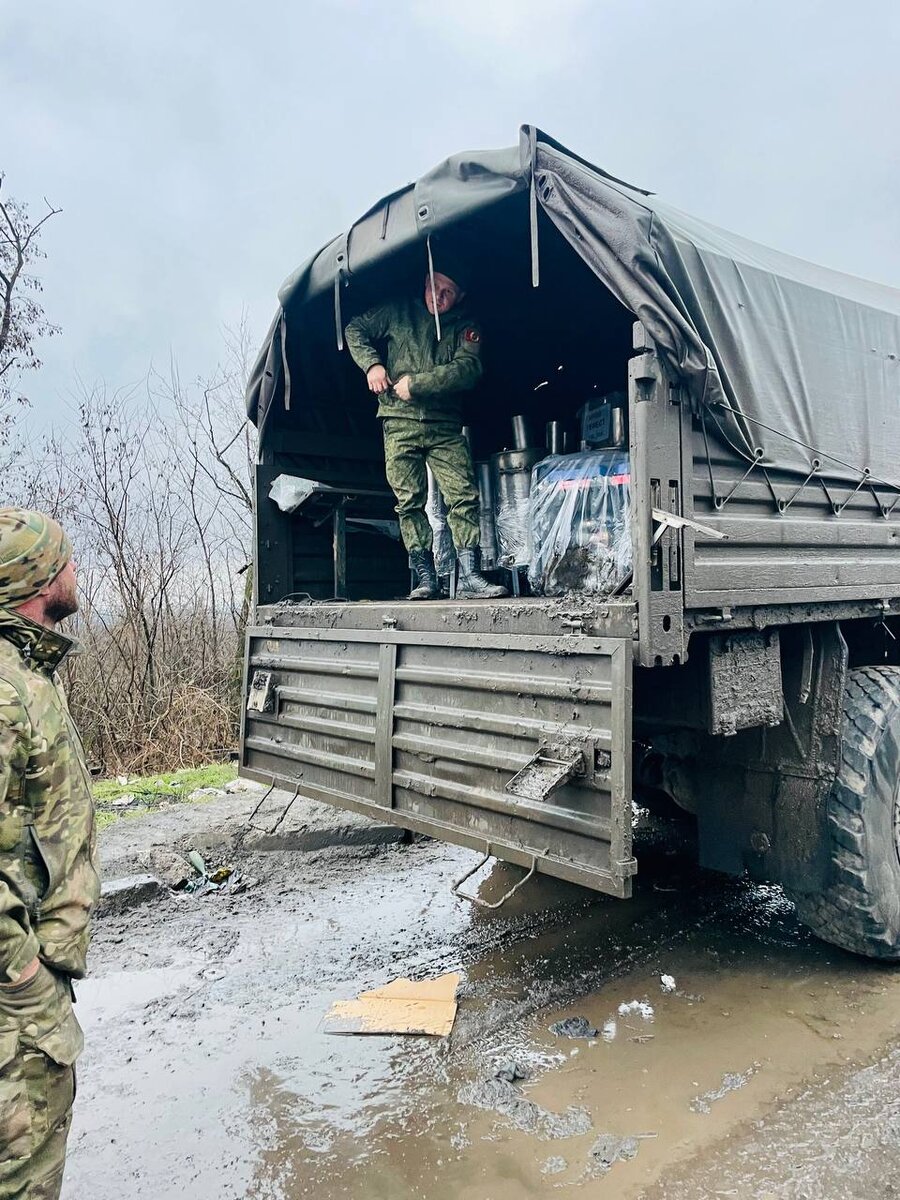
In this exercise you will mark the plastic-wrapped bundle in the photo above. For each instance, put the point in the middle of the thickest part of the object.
(442, 539)
(511, 478)
(580, 523)
(512, 533)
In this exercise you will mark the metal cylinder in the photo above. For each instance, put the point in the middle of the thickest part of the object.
(555, 437)
(521, 437)
(511, 478)
(487, 525)
(467, 433)
(617, 426)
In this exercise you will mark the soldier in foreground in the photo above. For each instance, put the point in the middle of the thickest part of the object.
(419, 381)
(48, 871)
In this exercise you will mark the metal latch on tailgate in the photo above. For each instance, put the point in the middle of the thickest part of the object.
(553, 765)
(262, 694)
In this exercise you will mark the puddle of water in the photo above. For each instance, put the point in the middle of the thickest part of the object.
(109, 998)
(222, 1084)
(757, 1009)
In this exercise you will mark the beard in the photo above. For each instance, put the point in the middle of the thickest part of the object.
(61, 603)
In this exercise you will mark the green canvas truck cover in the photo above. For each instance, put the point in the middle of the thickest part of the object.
(791, 362)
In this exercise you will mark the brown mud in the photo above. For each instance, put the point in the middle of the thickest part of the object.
(207, 1072)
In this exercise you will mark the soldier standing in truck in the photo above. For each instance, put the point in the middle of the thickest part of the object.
(419, 379)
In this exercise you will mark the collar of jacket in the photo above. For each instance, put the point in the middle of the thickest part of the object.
(458, 312)
(36, 643)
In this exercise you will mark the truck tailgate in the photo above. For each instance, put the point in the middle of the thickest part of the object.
(426, 730)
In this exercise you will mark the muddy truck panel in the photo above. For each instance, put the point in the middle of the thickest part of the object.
(516, 745)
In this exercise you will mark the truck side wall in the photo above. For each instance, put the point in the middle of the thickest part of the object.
(796, 548)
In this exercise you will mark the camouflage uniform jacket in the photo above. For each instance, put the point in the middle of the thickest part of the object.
(401, 336)
(48, 868)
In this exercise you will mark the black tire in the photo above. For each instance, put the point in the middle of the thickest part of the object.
(860, 908)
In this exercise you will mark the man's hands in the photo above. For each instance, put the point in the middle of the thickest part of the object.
(28, 972)
(379, 381)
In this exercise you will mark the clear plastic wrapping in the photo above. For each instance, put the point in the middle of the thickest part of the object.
(511, 480)
(442, 538)
(580, 523)
(290, 492)
(512, 532)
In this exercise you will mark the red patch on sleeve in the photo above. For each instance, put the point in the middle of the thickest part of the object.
(472, 335)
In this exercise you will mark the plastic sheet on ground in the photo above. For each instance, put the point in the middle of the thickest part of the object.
(580, 523)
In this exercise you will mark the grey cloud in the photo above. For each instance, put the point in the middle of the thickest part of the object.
(201, 151)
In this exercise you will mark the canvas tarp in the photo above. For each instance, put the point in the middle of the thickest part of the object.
(791, 361)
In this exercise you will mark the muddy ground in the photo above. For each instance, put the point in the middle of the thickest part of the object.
(767, 1070)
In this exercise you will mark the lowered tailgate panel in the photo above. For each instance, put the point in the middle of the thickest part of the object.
(426, 729)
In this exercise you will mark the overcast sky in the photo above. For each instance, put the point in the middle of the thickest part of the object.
(201, 149)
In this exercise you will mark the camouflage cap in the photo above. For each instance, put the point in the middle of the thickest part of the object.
(33, 551)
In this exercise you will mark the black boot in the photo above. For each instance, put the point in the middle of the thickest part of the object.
(472, 584)
(422, 562)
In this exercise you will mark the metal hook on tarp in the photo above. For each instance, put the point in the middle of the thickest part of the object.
(456, 889)
(434, 303)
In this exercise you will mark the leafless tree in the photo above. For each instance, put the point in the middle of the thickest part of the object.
(22, 319)
(217, 464)
(153, 484)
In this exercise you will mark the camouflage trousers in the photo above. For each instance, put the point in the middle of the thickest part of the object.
(40, 1040)
(408, 447)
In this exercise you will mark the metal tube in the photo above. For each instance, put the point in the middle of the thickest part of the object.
(617, 426)
(520, 433)
(554, 437)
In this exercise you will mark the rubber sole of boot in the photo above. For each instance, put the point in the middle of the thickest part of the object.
(491, 592)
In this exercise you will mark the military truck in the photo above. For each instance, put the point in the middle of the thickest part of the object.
(746, 664)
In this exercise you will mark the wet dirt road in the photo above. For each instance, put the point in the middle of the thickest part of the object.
(207, 1072)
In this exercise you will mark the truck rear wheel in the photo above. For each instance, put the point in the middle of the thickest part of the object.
(860, 908)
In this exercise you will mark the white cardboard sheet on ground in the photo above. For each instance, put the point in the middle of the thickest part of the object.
(426, 1007)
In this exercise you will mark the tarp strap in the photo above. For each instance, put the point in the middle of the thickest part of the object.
(284, 364)
(533, 211)
(338, 320)
(434, 303)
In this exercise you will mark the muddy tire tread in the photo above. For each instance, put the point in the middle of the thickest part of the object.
(844, 913)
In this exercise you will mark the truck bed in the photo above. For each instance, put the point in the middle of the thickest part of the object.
(533, 616)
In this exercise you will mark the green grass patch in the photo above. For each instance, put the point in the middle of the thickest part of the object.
(147, 792)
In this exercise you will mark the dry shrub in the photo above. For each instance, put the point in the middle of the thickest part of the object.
(190, 718)
(153, 487)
